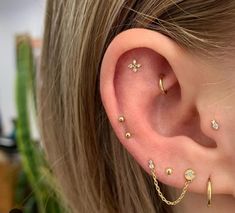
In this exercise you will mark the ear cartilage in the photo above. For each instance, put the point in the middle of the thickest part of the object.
(169, 171)
(134, 66)
(215, 125)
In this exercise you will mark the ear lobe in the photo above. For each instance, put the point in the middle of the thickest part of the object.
(162, 127)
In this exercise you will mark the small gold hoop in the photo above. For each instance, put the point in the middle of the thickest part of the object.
(161, 85)
(209, 192)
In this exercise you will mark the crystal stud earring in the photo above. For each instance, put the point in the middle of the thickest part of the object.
(214, 125)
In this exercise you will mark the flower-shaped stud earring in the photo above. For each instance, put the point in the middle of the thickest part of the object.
(134, 66)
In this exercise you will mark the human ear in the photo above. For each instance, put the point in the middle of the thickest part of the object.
(164, 128)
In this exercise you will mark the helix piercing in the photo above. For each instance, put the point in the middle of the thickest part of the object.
(161, 84)
(189, 177)
(209, 192)
(214, 125)
(134, 66)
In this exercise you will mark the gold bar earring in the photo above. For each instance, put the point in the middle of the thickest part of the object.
(122, 119)
(189, 176)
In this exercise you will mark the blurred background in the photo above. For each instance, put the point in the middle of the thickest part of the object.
(26, 183)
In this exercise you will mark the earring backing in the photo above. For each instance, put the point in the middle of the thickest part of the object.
(161, 84)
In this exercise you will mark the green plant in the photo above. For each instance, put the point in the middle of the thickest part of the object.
(33, 161)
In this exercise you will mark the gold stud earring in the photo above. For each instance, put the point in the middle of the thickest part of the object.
(189, 174)
(161, 84)
(169, 171)
(128, 135)
(121, 119)
(189, 177)
(134, 66)
(209, 192)
(214, 125)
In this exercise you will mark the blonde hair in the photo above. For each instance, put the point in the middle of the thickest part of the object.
(94, 170)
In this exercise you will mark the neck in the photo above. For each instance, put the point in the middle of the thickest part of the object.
(195, 203)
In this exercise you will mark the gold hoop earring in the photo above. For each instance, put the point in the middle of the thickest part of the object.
(189, 176)
(161, 84)
(209, 192)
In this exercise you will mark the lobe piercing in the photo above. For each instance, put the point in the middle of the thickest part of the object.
(169, 171)
(214, 125)
(161, 85)
(134, 66)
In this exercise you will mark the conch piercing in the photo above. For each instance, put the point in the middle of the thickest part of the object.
(122, 119)
(134, 66)
(214, 125)
(161, 85)
(189, 176)
(209, 192)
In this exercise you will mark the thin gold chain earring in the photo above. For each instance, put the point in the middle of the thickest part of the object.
(189, 177)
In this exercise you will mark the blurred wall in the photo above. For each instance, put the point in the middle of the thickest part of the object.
(16, 17)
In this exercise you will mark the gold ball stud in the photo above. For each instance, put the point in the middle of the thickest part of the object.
(128, 135)
(169, 171)
(121, 119)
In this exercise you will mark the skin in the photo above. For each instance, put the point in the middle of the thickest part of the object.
(174, 130)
